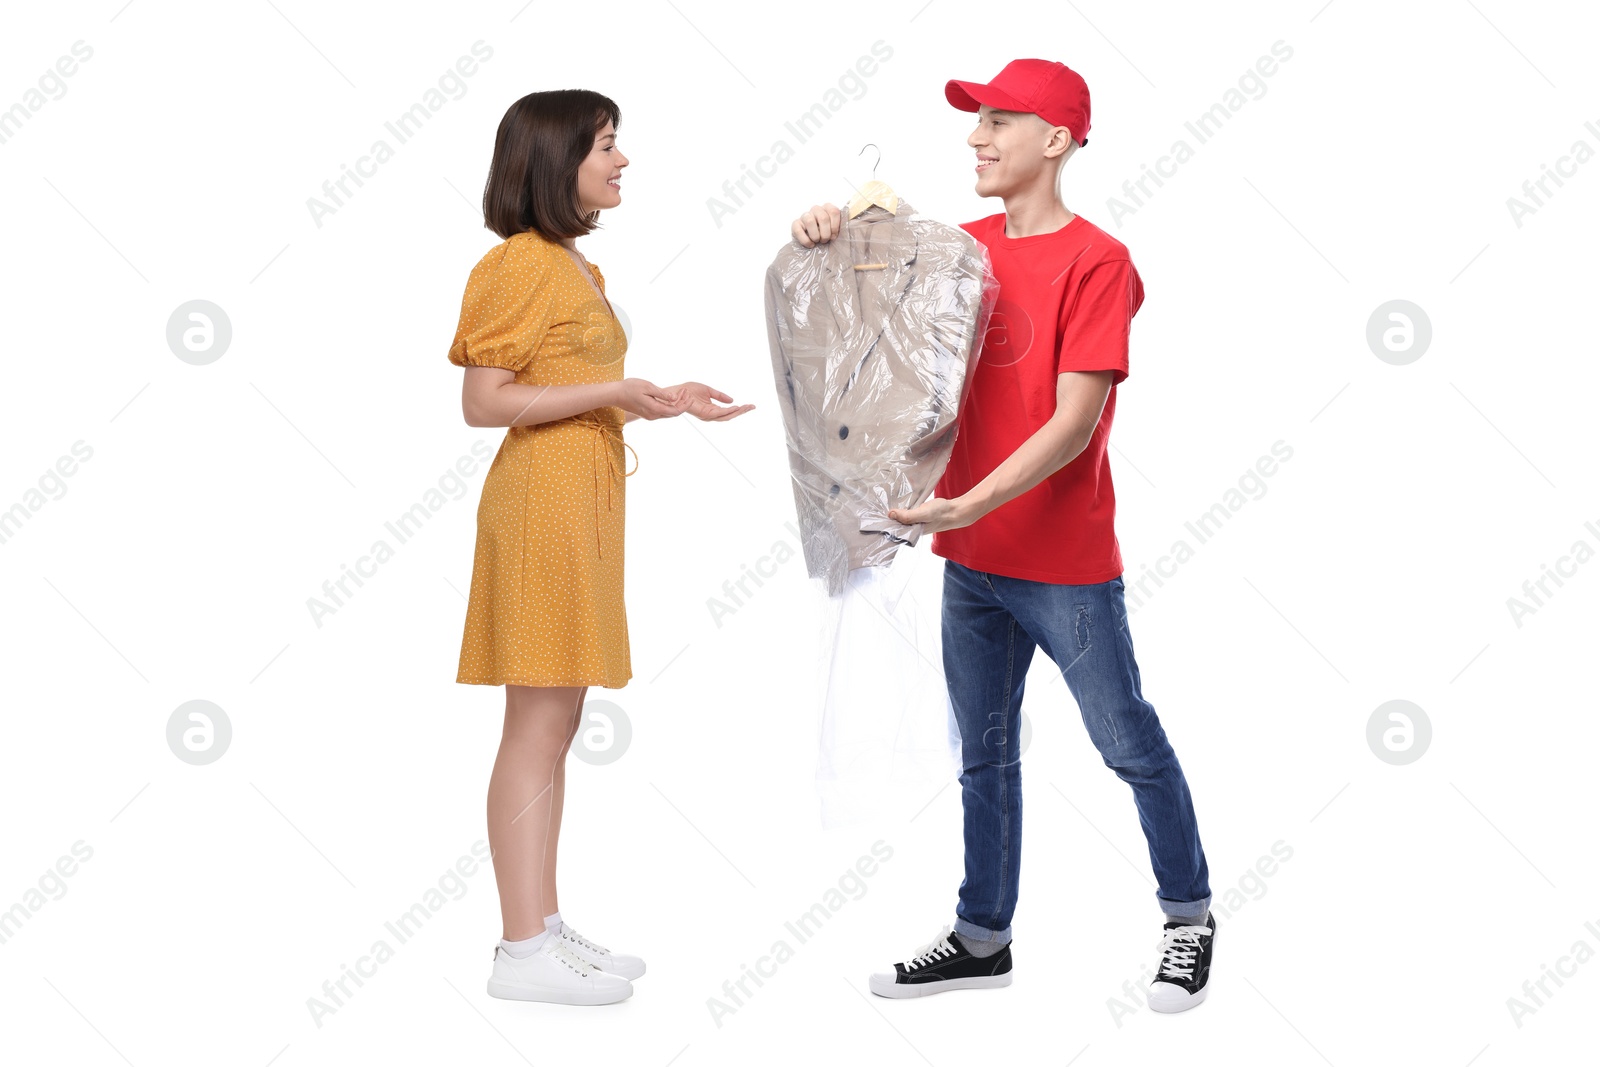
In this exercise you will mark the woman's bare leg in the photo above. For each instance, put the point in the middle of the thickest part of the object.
(522, 810)
(560, 794)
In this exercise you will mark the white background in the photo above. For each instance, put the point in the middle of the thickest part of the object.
(177, 562)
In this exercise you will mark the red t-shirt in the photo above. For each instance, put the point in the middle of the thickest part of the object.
(1066, 302)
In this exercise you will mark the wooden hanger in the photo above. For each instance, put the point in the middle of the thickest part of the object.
(873, 193)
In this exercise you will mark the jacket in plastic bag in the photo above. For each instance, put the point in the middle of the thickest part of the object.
(871, 366)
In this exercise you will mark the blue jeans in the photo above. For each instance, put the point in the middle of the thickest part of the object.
(991, 624)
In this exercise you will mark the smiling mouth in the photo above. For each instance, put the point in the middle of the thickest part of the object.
(985, 164)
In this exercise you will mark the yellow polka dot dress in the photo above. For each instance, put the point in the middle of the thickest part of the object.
(546, 605)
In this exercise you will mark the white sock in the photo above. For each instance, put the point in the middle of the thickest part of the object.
(523, 949)
(552, 920)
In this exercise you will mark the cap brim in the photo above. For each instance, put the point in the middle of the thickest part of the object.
(967, 96)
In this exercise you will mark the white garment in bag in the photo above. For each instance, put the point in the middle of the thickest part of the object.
(887, 738)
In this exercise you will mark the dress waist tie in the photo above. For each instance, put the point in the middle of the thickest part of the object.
(603, 440)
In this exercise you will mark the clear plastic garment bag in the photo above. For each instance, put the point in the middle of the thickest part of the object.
(874, 337)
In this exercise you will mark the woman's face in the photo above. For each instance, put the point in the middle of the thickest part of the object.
(599, 175)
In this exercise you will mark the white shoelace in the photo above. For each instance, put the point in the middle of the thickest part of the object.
(1179, 946)
(934, 950)
(562, 954)
(570, 934)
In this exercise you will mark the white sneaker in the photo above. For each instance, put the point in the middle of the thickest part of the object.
(554, 974)
(602, 957)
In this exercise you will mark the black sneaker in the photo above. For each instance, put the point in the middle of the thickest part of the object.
(941, 964)
(1185, 966)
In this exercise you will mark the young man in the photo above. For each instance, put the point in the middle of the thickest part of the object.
(1024, 519)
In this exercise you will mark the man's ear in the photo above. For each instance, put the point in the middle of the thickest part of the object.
(1063, 136)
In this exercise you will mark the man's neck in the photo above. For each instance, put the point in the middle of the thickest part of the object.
(1029, 216)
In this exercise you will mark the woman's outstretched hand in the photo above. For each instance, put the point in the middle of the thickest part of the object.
(648, 400)
(699, 400)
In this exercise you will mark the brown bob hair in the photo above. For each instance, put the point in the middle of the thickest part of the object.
(533, 177)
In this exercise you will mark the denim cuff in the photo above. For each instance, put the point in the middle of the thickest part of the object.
(1195, 909)
(973, 932)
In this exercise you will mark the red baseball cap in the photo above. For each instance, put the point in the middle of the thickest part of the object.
(1053, 91)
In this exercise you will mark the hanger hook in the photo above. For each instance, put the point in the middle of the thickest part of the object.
(875, 162)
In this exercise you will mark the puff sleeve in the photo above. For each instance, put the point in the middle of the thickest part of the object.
(508, 308)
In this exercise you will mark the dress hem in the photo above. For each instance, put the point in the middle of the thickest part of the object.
(542, 683)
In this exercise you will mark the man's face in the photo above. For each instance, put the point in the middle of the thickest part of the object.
(1011, 149)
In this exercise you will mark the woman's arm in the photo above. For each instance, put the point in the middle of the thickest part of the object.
(490, 396)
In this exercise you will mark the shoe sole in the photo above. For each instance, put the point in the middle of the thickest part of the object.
(1194, 1000)
(504, 990)
(905, 991)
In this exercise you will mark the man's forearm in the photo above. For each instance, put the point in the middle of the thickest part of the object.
(516, 404)
(1051, 447)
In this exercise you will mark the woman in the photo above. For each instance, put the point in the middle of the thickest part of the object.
(543, 355)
